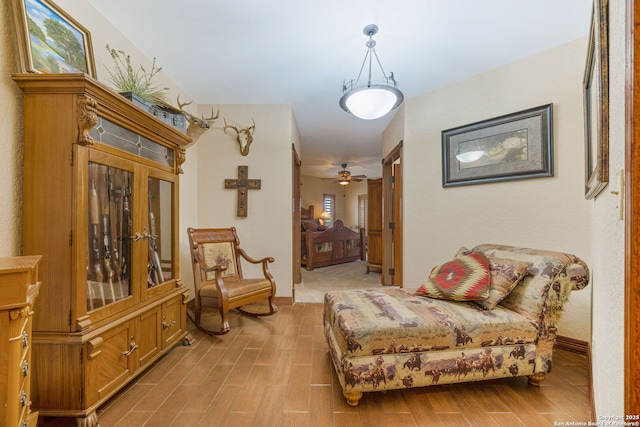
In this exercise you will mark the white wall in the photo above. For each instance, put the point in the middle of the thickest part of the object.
(10, 142)
(266, 231)
(608, 235)
(545, 213)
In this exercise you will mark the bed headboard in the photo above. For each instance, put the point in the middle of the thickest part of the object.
(306, 213)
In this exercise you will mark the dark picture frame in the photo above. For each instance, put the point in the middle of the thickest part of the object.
(50, 41)
(509, 147)
(596, 103)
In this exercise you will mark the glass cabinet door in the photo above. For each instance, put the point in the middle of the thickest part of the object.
(160, 240)
(109, 243)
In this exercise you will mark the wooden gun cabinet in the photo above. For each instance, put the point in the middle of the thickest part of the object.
(101, 206)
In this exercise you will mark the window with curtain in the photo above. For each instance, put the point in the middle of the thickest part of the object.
(329, 206)
(363, 211)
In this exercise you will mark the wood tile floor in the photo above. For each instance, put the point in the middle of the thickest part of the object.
(275, 371)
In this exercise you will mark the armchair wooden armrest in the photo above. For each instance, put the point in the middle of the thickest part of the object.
(253, 260)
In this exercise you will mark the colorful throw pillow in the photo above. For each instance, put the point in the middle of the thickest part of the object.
(505, 275)
(465, 278)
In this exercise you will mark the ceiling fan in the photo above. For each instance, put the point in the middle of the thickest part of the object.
(345, 177)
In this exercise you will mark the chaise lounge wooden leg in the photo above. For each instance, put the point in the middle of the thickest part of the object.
(353, 398)
(536, 379)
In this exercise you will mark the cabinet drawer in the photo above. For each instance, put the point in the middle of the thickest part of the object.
(17, 355)
(148, 336)
(173, 321)
(110, 358)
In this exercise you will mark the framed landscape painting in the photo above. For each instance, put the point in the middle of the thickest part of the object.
(514, 146)
(50, 41)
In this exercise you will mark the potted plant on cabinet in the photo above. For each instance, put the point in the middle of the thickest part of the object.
(139, 87)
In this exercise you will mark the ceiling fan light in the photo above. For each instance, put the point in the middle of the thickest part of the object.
(344, 182)
(469, 156)
(371, 102)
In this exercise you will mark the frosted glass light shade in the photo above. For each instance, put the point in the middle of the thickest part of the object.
(469, 156)
(371, 102)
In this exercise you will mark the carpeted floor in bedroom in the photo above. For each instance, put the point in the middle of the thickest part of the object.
(351, 275)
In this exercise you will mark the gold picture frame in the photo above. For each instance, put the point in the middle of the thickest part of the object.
(50, 41)
(596, 103)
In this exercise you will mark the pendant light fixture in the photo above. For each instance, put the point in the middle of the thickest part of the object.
(371, 101)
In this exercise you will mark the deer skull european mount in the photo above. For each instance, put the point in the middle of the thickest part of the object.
(244, 136)
(197, 125)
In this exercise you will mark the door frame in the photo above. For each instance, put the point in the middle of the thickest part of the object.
(632, 212)
(392, 241)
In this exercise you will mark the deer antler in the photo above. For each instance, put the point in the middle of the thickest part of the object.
(229, 126)
(180, 105)
(197, 126)
(208, 119)
(191, 116)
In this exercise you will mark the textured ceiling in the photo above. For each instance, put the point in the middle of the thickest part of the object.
(298, 52)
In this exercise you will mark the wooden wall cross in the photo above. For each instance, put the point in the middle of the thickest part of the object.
(243, 184)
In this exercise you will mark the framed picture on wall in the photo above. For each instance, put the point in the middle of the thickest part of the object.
(50, 41)
(596, 103)
(514, 146)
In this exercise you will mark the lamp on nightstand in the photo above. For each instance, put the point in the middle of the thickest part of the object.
(324, 216)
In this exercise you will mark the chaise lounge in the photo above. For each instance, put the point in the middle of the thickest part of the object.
(389, 338)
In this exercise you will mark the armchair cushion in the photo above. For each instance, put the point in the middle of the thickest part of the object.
(465, 278)
(221, 253)
(236, 288)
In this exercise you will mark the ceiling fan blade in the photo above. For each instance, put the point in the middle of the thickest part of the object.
(358, 176)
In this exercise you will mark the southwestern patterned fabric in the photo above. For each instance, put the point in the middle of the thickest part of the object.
(505, 275)
(387, 338)
(465, 278)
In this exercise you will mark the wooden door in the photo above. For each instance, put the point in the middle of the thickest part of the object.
(374, 233)
(296, 204)
(397, 221)
(392, 217)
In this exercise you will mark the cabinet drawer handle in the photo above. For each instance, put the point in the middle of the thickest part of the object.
(25, 368)
(23, 399)
(132, 347)
(25, 340)
(166, 325)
